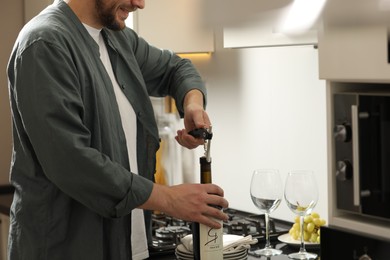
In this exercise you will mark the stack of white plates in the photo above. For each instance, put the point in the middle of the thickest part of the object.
(183, 254)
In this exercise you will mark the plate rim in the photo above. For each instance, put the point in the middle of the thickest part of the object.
(290, 241)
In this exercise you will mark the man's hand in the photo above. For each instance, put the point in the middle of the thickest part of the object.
(190, 202)
(194, 117)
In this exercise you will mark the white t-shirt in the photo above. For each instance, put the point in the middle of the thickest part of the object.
(139, 244)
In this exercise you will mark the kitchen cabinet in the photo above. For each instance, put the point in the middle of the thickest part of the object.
(4, 229)
(354, 53)
(354, 42)
(265, 31)
(352, 12)
(272, 23)
(176, 25)
(334, 245)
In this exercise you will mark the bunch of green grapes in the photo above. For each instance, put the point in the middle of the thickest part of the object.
(311, 225)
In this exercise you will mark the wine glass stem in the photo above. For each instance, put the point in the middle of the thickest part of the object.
(267, 242)
(302, 249)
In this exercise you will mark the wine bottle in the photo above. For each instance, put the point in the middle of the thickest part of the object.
(207, 241)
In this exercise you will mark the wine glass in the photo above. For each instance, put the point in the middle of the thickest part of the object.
(301, 195)
(266, 192)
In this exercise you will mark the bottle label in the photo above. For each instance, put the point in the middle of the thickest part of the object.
(211, 243)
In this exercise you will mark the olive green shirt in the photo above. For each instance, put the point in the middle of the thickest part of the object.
(73, 188)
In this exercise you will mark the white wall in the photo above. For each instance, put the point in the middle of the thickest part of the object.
(267, 108)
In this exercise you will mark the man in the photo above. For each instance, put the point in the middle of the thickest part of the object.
(85, 137)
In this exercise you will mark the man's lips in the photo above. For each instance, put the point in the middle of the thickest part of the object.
(129, 9)
(124, 13)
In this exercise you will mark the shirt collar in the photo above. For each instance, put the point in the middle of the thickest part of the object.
(95, 33)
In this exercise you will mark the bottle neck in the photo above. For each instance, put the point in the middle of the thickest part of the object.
(205, 170)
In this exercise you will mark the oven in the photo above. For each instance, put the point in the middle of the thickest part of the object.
(362, 152)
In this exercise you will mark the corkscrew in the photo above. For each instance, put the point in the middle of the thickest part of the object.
(207, 135)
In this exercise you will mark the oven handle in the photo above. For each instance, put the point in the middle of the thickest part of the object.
(355, 154)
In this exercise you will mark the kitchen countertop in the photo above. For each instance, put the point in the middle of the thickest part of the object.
(287, 249)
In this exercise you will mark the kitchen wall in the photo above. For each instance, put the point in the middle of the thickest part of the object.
(267, 107)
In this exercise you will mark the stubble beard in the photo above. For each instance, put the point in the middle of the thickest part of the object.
(106, 14)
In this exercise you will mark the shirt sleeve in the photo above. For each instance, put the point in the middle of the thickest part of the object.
(165, 73)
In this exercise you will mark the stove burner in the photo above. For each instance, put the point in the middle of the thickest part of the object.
(171, 231)
(167, 238)
(175, 222)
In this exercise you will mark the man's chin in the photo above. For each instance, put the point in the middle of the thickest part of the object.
(118, 26)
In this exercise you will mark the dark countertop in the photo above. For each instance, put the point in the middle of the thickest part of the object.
(6, 196)
(287, 249)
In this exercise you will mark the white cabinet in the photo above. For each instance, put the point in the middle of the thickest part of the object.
(352, 12)
(176, 25)
(265, 31)
(354, 44)
(4, 229)
(283, 23)
(354, 53)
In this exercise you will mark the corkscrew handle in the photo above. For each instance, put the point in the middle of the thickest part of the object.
(203, 133)
(207, 135)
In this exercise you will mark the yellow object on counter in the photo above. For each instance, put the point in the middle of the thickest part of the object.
(160, 176)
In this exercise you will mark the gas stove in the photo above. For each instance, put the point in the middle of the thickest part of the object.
(244, 223)
(167, 231)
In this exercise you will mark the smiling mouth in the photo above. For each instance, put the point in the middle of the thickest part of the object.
(130, 9)
(123, 13)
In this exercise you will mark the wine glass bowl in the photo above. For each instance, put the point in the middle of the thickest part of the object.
(301, 196)
(266, 190)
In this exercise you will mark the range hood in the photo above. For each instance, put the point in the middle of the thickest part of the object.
(260, 24)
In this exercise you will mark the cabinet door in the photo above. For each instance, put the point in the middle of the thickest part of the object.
(176, 25)
(354, 53)
(265, 31)
(4, 229)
